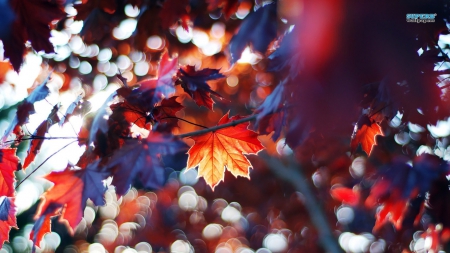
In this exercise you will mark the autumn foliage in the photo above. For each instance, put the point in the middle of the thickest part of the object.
(307, 122)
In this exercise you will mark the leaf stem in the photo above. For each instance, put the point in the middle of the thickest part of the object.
(215, 128)
(48, 158)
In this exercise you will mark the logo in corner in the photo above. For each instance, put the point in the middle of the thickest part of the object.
(420, 18)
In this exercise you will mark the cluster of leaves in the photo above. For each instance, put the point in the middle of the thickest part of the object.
(136, 133)
(365, 80)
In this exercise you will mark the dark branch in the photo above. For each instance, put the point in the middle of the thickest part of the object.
(292, 173)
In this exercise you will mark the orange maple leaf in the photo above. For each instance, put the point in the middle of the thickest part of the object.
(5, 67)
(7, 218)
(71, 190)
(365, 133)
(8, 165)
(224, 148)
(43, 225)
(36, 144)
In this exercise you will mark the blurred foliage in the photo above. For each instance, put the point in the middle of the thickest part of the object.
(311, 71)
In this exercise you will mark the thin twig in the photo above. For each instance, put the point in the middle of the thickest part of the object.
(48, 158)
(35, 137)
(194, 133)
(187, 121)
(379, 110)
(444, 86)
(293, 174)
(215, 128)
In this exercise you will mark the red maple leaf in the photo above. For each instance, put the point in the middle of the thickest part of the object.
(71, 190)
(194, 84)
(164, 83)
(394, 206)
(164, 115)
(9, 163)
(32, 23)
(400, 182)
(39, 135)
(128, 210)
(167, 108)
(229, 7)
(216, 151)
(131, 113)
(365, 133)
(36, 144)
(5, 66)
(7, 218)
(345, 195)
(43, 224)
(435, 234)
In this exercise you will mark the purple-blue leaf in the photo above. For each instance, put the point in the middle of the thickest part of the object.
(258, 29)
(142, 161)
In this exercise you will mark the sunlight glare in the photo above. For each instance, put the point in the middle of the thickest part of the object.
(76, 26)
(181, 246)
(200, 38)
(155, 42)
(213, 47)
(358, 243)
(85, 68)
(27, 194)
(143, 247)
(62, 53)
(125, 29)
(188, 201)
(123, 62)
(275, 242)
(104, 55)
(183, 35)
(96, 248)
(132, 11)
(230, 214)
(59, 38)
(141, 68)
(217, 30)
(249, 57)
(212, 231)
(188, 177)
(441, 129)
(113, 70)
